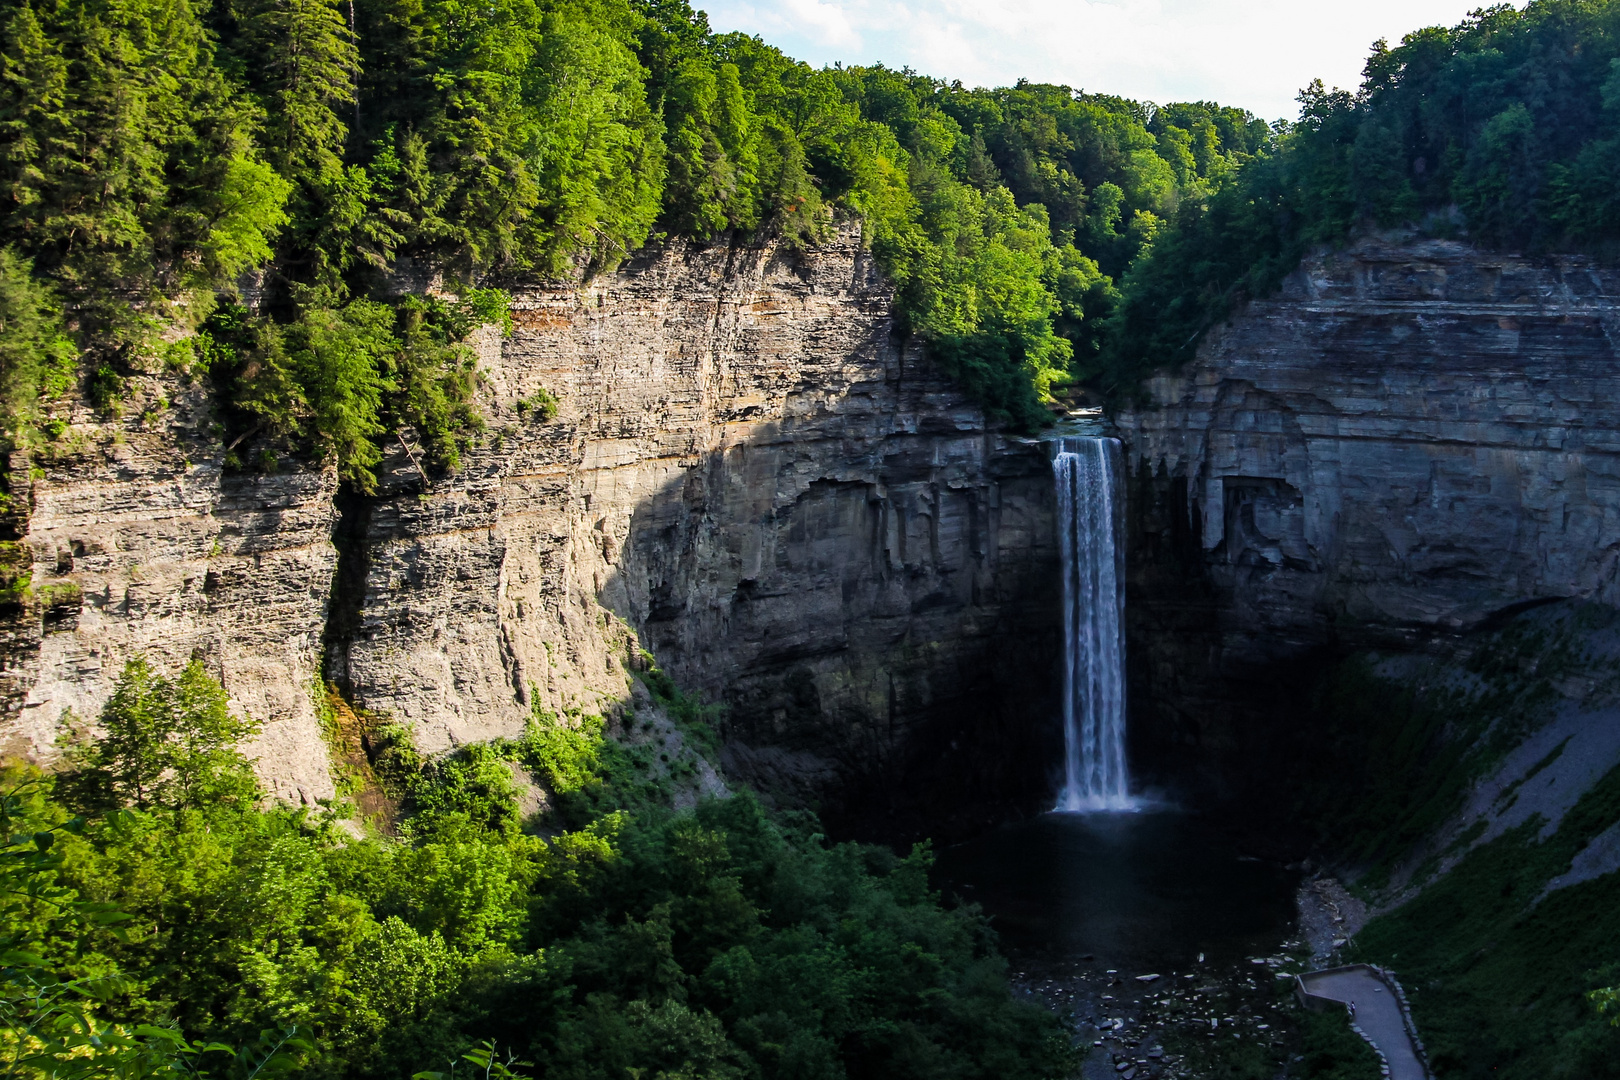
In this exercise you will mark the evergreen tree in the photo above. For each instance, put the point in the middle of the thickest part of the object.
(164, 743)
(702, 181)
(33, 118)
(36, 357)
(305, 64)
(480, 137)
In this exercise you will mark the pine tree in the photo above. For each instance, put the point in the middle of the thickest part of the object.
(737, 131)
(713, 151)
(339, 358)
(33, 118)
(35, 355)
(304, 63)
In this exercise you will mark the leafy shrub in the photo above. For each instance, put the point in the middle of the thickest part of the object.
(542, 403)
(50, 1022)
(163, 743)
(36, 357)
(716, 939)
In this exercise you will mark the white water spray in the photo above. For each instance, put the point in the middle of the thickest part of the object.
(1093, 626)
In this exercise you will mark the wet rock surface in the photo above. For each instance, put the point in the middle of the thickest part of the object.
(1190, 1022)
(1329, 916)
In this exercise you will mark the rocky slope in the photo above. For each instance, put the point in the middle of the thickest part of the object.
(748, 477)
(1410, 440)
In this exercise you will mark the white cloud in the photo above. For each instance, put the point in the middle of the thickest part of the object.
(1252, 53)
(827, 23)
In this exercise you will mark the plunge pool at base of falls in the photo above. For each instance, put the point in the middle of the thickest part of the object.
(1137, 891)
(1145, 928)
(1088, 906)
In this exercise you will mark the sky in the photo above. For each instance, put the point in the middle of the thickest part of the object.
(1255, 54)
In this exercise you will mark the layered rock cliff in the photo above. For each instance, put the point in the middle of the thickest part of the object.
(1409, 440)
(749, 476)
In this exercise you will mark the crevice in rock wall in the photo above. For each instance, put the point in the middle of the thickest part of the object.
(345, 608)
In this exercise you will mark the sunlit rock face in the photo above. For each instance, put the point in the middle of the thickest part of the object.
(806, 523)
(1409, 439)
(747, 476)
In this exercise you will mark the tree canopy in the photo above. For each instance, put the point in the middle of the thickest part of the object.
(256, 169)
(1503, 130)
(158, 917)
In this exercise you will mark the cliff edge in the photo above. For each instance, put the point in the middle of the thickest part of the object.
(1410, 441)
(749, 475)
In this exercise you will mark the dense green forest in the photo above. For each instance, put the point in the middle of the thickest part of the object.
(158, 918)
(223, 189)
(226, 190)
(1504, 131)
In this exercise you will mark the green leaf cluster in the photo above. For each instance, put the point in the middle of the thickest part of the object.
(718, 941)
(36, 356)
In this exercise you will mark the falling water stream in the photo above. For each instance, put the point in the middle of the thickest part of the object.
(1103, 912)
(1087, 473)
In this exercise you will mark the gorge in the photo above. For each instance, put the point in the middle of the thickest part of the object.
(754, 480)
(798, 517)
(548, 538)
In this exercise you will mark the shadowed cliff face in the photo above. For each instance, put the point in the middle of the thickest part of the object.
(870, 598)
(811, 528)
(747, 476)
(1407, 441)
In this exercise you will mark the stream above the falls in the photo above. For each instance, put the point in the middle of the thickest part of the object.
(1139, 892)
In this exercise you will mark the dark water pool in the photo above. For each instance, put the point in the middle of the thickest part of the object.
(1139, 891)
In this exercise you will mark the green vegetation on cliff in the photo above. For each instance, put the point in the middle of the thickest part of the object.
(1504, 129)
(1505, 974)
(165, 162)
(148, 896)
(1500, 972)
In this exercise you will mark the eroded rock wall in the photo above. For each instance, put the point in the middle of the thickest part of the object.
(143, 544)
(748, 476)
(801, 521)
(1408, 440)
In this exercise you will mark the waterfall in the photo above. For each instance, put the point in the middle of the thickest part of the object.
(1087, 471)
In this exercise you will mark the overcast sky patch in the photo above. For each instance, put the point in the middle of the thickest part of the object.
(1256, 54)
